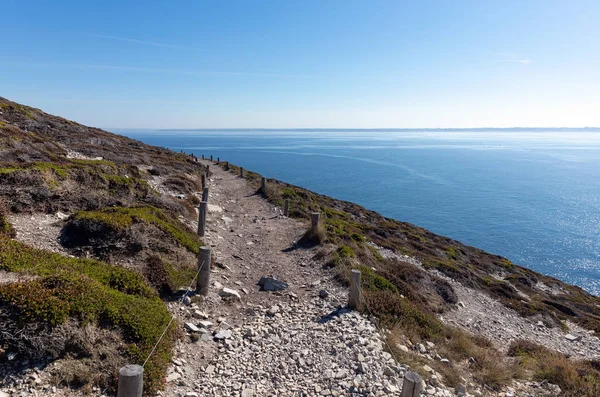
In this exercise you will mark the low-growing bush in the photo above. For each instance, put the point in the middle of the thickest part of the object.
(89, 291)
(118, 219)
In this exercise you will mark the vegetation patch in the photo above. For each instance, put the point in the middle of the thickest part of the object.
(118, 219)
(575, 378)
(90, 292)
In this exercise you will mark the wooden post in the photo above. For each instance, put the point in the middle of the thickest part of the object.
(204, 271)
(207, 171)
(218, 159)
(205, 194)
(354, 293)
(203, 157)
(242, 172)
(263, 185)
(203, 181)
(314, 217)
(412, 385)
(227, 166)
(131, 381)
(202, 218)
(211, 157)
(286, 207)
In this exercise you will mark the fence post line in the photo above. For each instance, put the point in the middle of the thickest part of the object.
(242, 172)
(412, 385)
(204, 274)
(263, 185)
(131, 381)
(354, 292)
(205, 194)
(315, 218)
(202, 218)
(286, 207)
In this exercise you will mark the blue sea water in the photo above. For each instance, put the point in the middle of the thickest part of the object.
(531, 196)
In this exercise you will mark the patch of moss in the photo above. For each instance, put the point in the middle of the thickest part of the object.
(6, 228)
(371, 281)
(89, 291)
(120, 218)
(345, 251)
(452, 252)
(508, 264)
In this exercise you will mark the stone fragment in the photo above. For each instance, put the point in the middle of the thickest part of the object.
(229, 293)
(199, 315)
(269, 283)
(323, 294)
(572, 338)
(223, 334)
(191, 327)
(205, 324)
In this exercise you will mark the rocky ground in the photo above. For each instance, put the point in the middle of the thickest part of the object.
(480, 314)
(297, 341)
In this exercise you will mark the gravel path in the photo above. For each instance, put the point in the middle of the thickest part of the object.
(288, 343)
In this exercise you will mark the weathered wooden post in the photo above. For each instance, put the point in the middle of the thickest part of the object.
(208, 170)
(314, 218)
(202, 156)
(204, 271)
(202, 218)
(211, 157)
(263, 185)
(242, 172)
(412, 385)
(354, 293)
(286, 207)
(218, 159)
(131, 381)
(227, 166)
(205, 194)
(203, 181)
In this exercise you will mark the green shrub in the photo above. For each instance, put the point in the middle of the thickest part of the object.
(121, 218)
(370, 281)
(89, 291)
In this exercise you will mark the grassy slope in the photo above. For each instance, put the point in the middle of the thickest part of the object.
(36, 175)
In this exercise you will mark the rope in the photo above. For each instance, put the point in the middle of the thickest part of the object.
(172, 318)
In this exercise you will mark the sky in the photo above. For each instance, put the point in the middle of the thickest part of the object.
(305, 64)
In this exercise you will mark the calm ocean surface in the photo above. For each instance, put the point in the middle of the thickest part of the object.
(533, 197)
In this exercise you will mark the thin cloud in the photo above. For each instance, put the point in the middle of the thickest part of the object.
(188, 72)
(144, 42)
(509, 57)
(521, 61)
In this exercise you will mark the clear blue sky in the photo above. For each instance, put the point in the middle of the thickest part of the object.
(276, 64)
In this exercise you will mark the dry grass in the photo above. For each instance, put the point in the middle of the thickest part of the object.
(471, 356)
(575, 378)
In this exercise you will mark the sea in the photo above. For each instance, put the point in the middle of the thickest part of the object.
(532, 196)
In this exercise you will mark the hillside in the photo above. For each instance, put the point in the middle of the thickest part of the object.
(97, 244)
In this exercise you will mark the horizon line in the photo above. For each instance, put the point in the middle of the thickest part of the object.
(354, 129)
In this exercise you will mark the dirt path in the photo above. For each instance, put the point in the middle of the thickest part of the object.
(287, 343)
